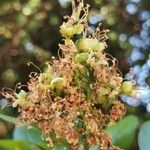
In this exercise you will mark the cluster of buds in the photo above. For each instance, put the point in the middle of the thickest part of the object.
(76, 96)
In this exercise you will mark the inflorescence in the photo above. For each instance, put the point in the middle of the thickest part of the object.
(76, 96)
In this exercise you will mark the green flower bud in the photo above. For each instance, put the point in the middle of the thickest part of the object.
(102, 92)
(127, 88)
(46, 76)
(58, 84)
(89, 44)
(21, 98)
(101, 46)
(78, 29)
(81, 58)
(68, 30)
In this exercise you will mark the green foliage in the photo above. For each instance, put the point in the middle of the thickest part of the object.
(144, 136)
(29, 139)
(16, 145)
(31, 135)
(61, 146)
(124, 132)
(123, 135)
(7, 118)
(94, 148)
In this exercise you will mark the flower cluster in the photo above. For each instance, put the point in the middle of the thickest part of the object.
(77, 96)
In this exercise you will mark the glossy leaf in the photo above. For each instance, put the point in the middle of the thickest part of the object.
(7, 118)
(32, 135)
(144, 136)
(123, 133)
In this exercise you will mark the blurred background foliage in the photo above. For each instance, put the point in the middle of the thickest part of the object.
(29, 31)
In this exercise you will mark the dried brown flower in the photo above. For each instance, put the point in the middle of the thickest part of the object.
(76, 96)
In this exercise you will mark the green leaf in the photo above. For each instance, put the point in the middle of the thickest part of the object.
(94, 147)
(32, 135)
(8, 118)
(123, 133)
(144, 136)
(16, 145)
(61, 146)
